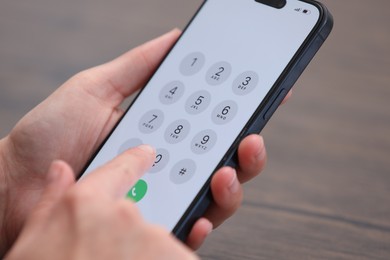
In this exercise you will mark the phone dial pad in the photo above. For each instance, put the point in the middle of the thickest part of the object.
(195, 104)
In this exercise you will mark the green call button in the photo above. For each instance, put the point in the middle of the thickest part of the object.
(138, 192)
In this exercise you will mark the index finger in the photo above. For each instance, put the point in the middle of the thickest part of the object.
(120, 77)
(116, 177)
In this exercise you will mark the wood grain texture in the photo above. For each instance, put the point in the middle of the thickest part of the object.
(326, 191)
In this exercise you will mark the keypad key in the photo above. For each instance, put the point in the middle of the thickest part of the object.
(198, 102)
(172, 92)
(204, 141)
(151, 121)
(245, 83)
(162, 159)
(224, 112)
(177, 131)
(192, 64)
(131, 143)
(183, 171)
(218, 73)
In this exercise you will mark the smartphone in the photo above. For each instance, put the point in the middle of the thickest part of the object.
(222, 80)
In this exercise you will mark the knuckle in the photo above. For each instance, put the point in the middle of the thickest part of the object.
(126, 212)
(159, 231)
(155, 233)
(76, 198)
(82, 76)
(127, 215)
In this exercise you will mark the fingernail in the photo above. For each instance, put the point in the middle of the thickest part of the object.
(208, 226)
(260, 155)
(234, 185)
(147, 148)
(210, 229)
(261, 151)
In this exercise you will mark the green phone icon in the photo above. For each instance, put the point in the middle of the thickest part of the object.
(138, 191)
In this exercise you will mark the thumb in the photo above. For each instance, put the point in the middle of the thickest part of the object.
(59, 178)
(115, 178)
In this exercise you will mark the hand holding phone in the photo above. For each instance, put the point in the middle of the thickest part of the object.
(225, 77)
(61, 226)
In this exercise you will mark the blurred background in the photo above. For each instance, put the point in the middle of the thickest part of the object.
(326, 190)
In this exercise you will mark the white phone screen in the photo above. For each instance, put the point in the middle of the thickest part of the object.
(202, 96)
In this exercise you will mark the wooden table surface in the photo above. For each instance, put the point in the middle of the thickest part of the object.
(326, 191)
